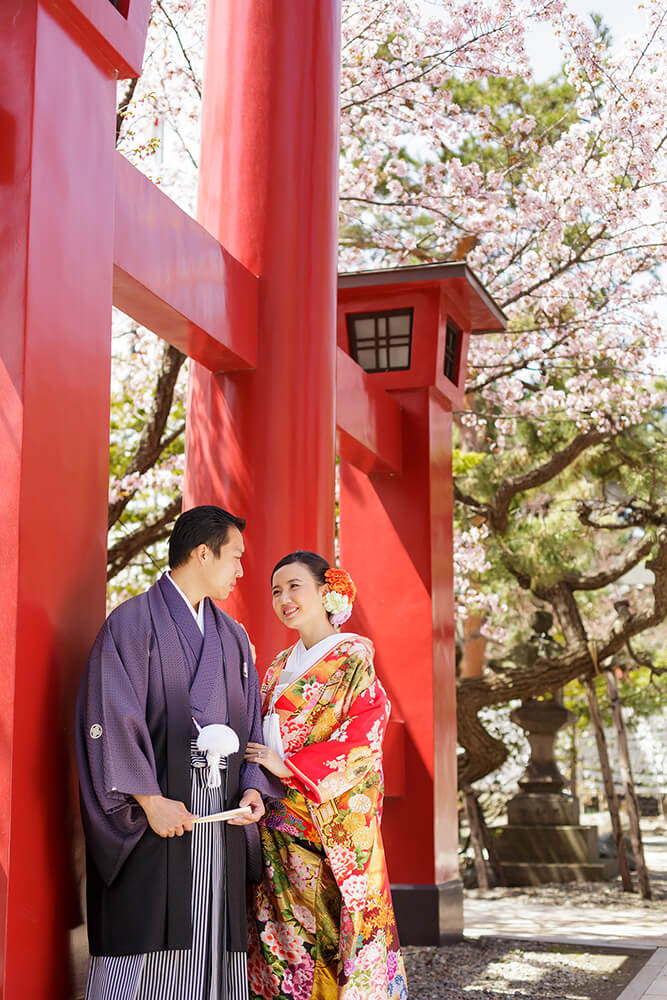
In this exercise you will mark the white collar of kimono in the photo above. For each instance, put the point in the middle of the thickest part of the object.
(300, 660)
(298, 663)
(197, 615)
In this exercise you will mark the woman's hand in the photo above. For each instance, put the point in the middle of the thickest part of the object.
(257, 753)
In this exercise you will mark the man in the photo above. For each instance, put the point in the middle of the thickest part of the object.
(166, 895)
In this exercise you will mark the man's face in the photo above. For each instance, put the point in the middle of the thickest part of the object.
(221, 572)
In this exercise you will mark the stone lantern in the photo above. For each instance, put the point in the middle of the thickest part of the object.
(543, 840)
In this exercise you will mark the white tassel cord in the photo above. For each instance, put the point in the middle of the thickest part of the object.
(271, 731)
(216, 741)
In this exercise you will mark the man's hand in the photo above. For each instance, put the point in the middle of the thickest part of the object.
(252, 798)
(166, 817)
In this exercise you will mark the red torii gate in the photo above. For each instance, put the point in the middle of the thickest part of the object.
(81, 228)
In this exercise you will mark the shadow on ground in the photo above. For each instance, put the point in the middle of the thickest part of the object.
(496, 969)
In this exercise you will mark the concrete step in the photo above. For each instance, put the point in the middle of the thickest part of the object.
(552, 844)
(539, 873)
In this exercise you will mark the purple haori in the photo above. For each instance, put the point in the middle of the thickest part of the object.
(149, 672)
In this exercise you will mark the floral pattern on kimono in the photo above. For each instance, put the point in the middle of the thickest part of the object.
(322, 921)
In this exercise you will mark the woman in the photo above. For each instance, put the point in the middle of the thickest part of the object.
(322, 925)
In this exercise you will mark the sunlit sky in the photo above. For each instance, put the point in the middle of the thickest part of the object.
(621, 16)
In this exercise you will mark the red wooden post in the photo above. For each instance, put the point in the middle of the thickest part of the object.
(396, 539)
(261, 443)
(56, 251)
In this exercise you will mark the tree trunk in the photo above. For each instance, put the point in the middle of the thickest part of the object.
(574, 759)
(572, 659)
(148, 533)
(483, 752)
(474, 647)
(494, 860)
(476, 836)
(628, 783)
(152, 442)
(608, 779)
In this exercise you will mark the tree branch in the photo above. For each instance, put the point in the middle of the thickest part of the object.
(432, 62)
(468, 501)
(151, 444)
(643, 513)
(546, 674)
(121, 110)
(596, 581)
(507, 490)
(483, 752)
(193, 75)
(124, 550)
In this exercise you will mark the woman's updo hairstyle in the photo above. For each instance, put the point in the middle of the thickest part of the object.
(316, 564)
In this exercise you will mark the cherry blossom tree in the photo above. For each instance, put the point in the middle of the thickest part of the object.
(560, 209)
(554, 194)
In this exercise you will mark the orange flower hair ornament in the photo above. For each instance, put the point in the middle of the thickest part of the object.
(340, 597)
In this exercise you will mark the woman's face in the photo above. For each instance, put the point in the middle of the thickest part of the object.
(297, 597)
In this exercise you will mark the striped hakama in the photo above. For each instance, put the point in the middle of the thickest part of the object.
(207, 971)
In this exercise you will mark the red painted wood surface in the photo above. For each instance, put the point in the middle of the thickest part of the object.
(436, 293)
(368, 420)
(56, 265)
(113, 38)
(173, 277)
(396, 538)
(393, 758)
(396, 541)
(465, 292)
(262, 443)
(259, 441)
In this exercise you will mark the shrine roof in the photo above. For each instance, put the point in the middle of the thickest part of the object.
(485, 314)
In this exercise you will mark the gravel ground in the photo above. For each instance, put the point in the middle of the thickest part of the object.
(493, 969)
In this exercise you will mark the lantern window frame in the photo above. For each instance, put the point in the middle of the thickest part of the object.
(380, 341)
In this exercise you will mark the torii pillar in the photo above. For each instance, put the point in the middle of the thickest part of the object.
(57, 115)
(263, 442)
(82, 228)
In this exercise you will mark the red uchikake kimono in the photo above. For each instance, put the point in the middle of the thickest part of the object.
(322, 924)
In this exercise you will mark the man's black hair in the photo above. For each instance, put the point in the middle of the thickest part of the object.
(205, 525)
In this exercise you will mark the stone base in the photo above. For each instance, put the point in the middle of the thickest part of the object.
(529, 873)
(429, 914)
(550, 844)
(542, 809)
